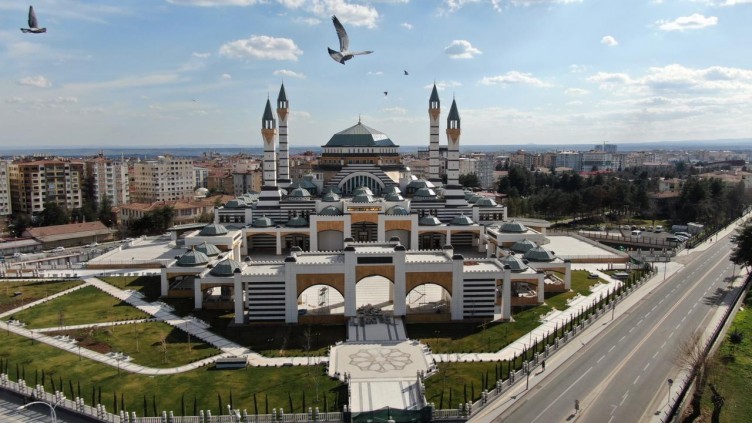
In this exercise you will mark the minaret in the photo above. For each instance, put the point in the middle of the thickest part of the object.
(269, 192)
(283, 179)
(434, 111)
(453, 193)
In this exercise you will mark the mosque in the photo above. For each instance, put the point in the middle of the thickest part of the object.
(361, 214)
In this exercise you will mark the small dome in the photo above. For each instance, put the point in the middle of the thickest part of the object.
(468, 194)
(236, 203)
(330, 197)
(486, 202)
(262, 222)
(297, 222)
(391, 189)
(513, 227)
(225, 267)
(515, 263)
(523, 246)
(394, 197)
(307, 182)
(462, 220)
(299, 194)
(213, 229)
(202, 191)
(362, 191)
(474, 199)
(539, 254)
(208, 249)
(397, 211)
(193, 258)
(332, 188)
(363, 198)
(429, 221)
(330, 211)
(418, 184)
(425, 194)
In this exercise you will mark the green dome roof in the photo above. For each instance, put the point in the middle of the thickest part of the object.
(213, 229)
(236, 203)
(539, 254)
(468, 194)
(391, 189)
(330, 197)
(297, 222)
(208, 249)
(359, 135)
(514, 263)
(397, 211)
(299, 194)
(362, 191)
(363, 198)
(473, 199)
(262, 222)
(332, 188)
(330, 211)
(462, 220)
(429, 221)
(394, 197)
(193, 258)
(513, 227)
(225, 267)
(486, 202)
(523, 245)
(420, 183)
(425, 194)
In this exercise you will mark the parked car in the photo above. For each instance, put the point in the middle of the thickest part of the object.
(18, 255)
(658, 229)
(592, 276)
(684, 234)
(92, 245)
(58, 249)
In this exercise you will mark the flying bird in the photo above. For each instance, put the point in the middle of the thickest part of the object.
(406, 73)
(385, 93)
(344, 54)
(33, 24)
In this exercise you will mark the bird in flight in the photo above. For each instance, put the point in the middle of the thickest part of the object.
(344, 54)
(33, 24)
(386, 93)
(406, 73)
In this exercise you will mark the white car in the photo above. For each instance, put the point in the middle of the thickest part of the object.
(18, 255)
(58, 249)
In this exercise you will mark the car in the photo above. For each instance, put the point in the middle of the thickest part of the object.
(58, 249)
(658, 229)
(650, 228)
(592, 276)
(681, 238)
(92, 245)
(684, 234)
(18, 255)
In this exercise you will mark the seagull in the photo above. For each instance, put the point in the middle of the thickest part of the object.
(385, 93)
(344, 54)
(406, 73)
(33, 25)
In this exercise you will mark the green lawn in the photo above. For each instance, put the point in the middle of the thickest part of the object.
(143, 342)
(17, 293)
(146, 285)
(580, 285)
(461, 382)
(87, 305)
(271, 385)
(731, 371)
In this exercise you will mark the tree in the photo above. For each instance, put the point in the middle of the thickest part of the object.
(53, 214)
(470, 181)
(20, 223)
(742, 252)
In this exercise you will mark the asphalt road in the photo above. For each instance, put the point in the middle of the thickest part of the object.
(621, 375)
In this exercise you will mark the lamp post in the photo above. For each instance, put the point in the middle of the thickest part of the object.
(670, 382)
(53, 416)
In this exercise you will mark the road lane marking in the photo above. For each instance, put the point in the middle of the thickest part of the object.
(640, 321)
(656, 353)
(646, 366)
(635, 381)
(561, 395)
(631, 329)
(626, 394)
(612, 348)
(602, 357)
(622, 338)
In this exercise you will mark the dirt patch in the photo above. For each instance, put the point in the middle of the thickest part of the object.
(85, 339)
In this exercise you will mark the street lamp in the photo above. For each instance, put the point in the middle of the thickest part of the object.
(53, 416)
(670, 382)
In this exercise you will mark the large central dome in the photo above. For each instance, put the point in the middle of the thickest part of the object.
(360, 135)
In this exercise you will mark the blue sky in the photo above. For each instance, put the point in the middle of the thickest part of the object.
(198, 72)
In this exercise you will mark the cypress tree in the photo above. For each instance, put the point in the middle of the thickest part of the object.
(70, 385)
(266, 403)
(99, 395)
(114, 402)
(53, 384)
(289, 399)
(464, 392)
(255, 404)
(472, 391)
(304, 409)
(326, 402)
(42, 376)
(146, 408)
(450, 397)
(36, 377)
(441, 400)
(122, 402)
(78, 383)
(154, 404)
(219, 400)
(195, 405)
(232, 405)
(182, 404)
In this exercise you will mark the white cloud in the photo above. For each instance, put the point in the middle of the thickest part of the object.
(311, 21)
(292, 74)
(694, 21)
(226, 76)
(35, 81)
(406, 25)
(514, 77)
(201, 55)
(678, 80)
(128, 82)
(262, 47)
(542, 2)
(395, 111)
(576, 91)
(735, 2)
(213, 3)
(609, 41)
(461, 49)
(348, 13)
(375, 73)
(291, 4)
(450, 6)
(577, 68)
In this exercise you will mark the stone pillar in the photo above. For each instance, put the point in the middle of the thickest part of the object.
(506, 295)
(164, 283)
(291, 289)
(238, 297)
(350, 297)
(198, 294)
(400, 294)
(279, 243)
(541, 287)
(458, 290)
(568, 275)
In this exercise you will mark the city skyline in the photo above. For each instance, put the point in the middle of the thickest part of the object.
(197, 73)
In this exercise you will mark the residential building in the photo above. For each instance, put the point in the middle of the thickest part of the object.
(33, 183)
(110, 179)
(164, 179)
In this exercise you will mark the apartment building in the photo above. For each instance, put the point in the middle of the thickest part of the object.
(165, 179)
(110, 180)
(33, 183)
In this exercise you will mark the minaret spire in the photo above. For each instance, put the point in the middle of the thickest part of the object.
(434, 112)
(453, 191)
(270, 194)
(283, 179)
